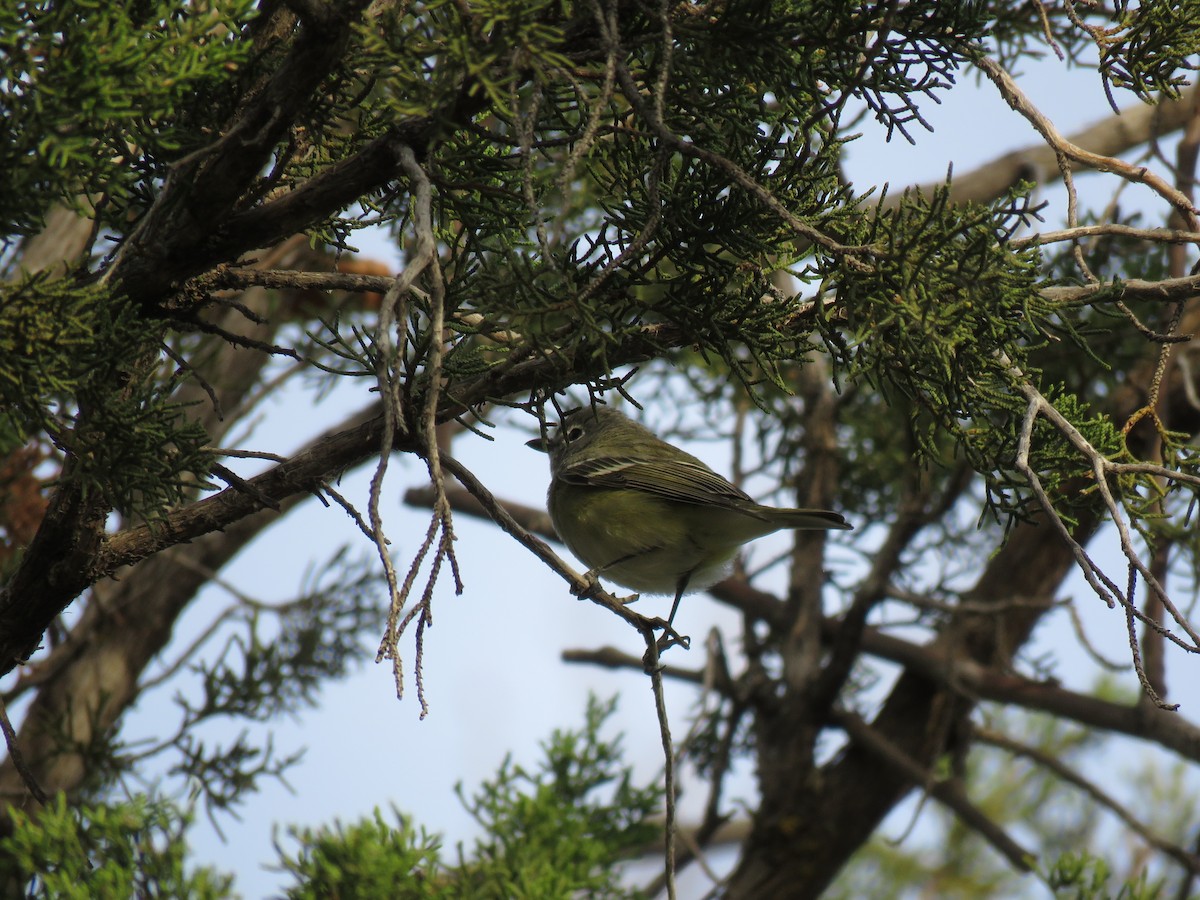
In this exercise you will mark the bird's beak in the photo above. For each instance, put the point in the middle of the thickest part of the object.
(538, 444)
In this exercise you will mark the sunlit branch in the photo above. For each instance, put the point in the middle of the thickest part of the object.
(1017, 99)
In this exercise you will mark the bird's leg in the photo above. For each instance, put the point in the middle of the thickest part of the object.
(679, 589)
(671, 637)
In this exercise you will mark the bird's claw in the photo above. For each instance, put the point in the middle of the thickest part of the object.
(588, 591)
(589, 588)
(652, 660)
(670, 637)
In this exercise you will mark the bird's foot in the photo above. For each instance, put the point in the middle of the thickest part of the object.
(670, 637)
(587, 592)
(652, 658)
(592, 584)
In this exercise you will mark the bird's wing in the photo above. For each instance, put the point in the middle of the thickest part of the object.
(680, 480)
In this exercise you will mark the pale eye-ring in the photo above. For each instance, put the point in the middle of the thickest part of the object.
(574, 433)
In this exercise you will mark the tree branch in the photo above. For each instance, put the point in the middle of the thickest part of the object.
(175, 240)
(976, 681)
(1114, 135)
(1189, 861)
(1169, 290)
(948, 792)
(1016, 98)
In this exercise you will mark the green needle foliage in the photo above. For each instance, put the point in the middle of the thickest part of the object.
(555, 831)
(132, 849)
(99, 99)
(65, 352)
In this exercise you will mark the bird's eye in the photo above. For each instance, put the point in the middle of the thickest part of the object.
(574, 433)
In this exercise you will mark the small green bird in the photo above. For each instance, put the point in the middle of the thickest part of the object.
(648, 515)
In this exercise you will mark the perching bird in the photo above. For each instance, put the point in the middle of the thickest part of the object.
(648, 515)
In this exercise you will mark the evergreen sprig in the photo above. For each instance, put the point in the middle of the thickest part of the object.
(946, 318)
(1151, 46)
(133, 848)
(98, 98)
(78, 364)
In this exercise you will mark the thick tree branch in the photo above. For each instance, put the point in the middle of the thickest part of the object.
(169, 244)
(304, 473)
(976, 681)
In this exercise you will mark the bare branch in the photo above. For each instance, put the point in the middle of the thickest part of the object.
(1016, 98)
(1117, 134)
(18, 758)
(1113, 229)
(393, 389)
(1188, 860)
(946, 791)
(654, 669)
(978, 682)
(1169, 290)
(612, 658)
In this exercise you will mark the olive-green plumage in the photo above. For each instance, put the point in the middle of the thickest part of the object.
(648, 515)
